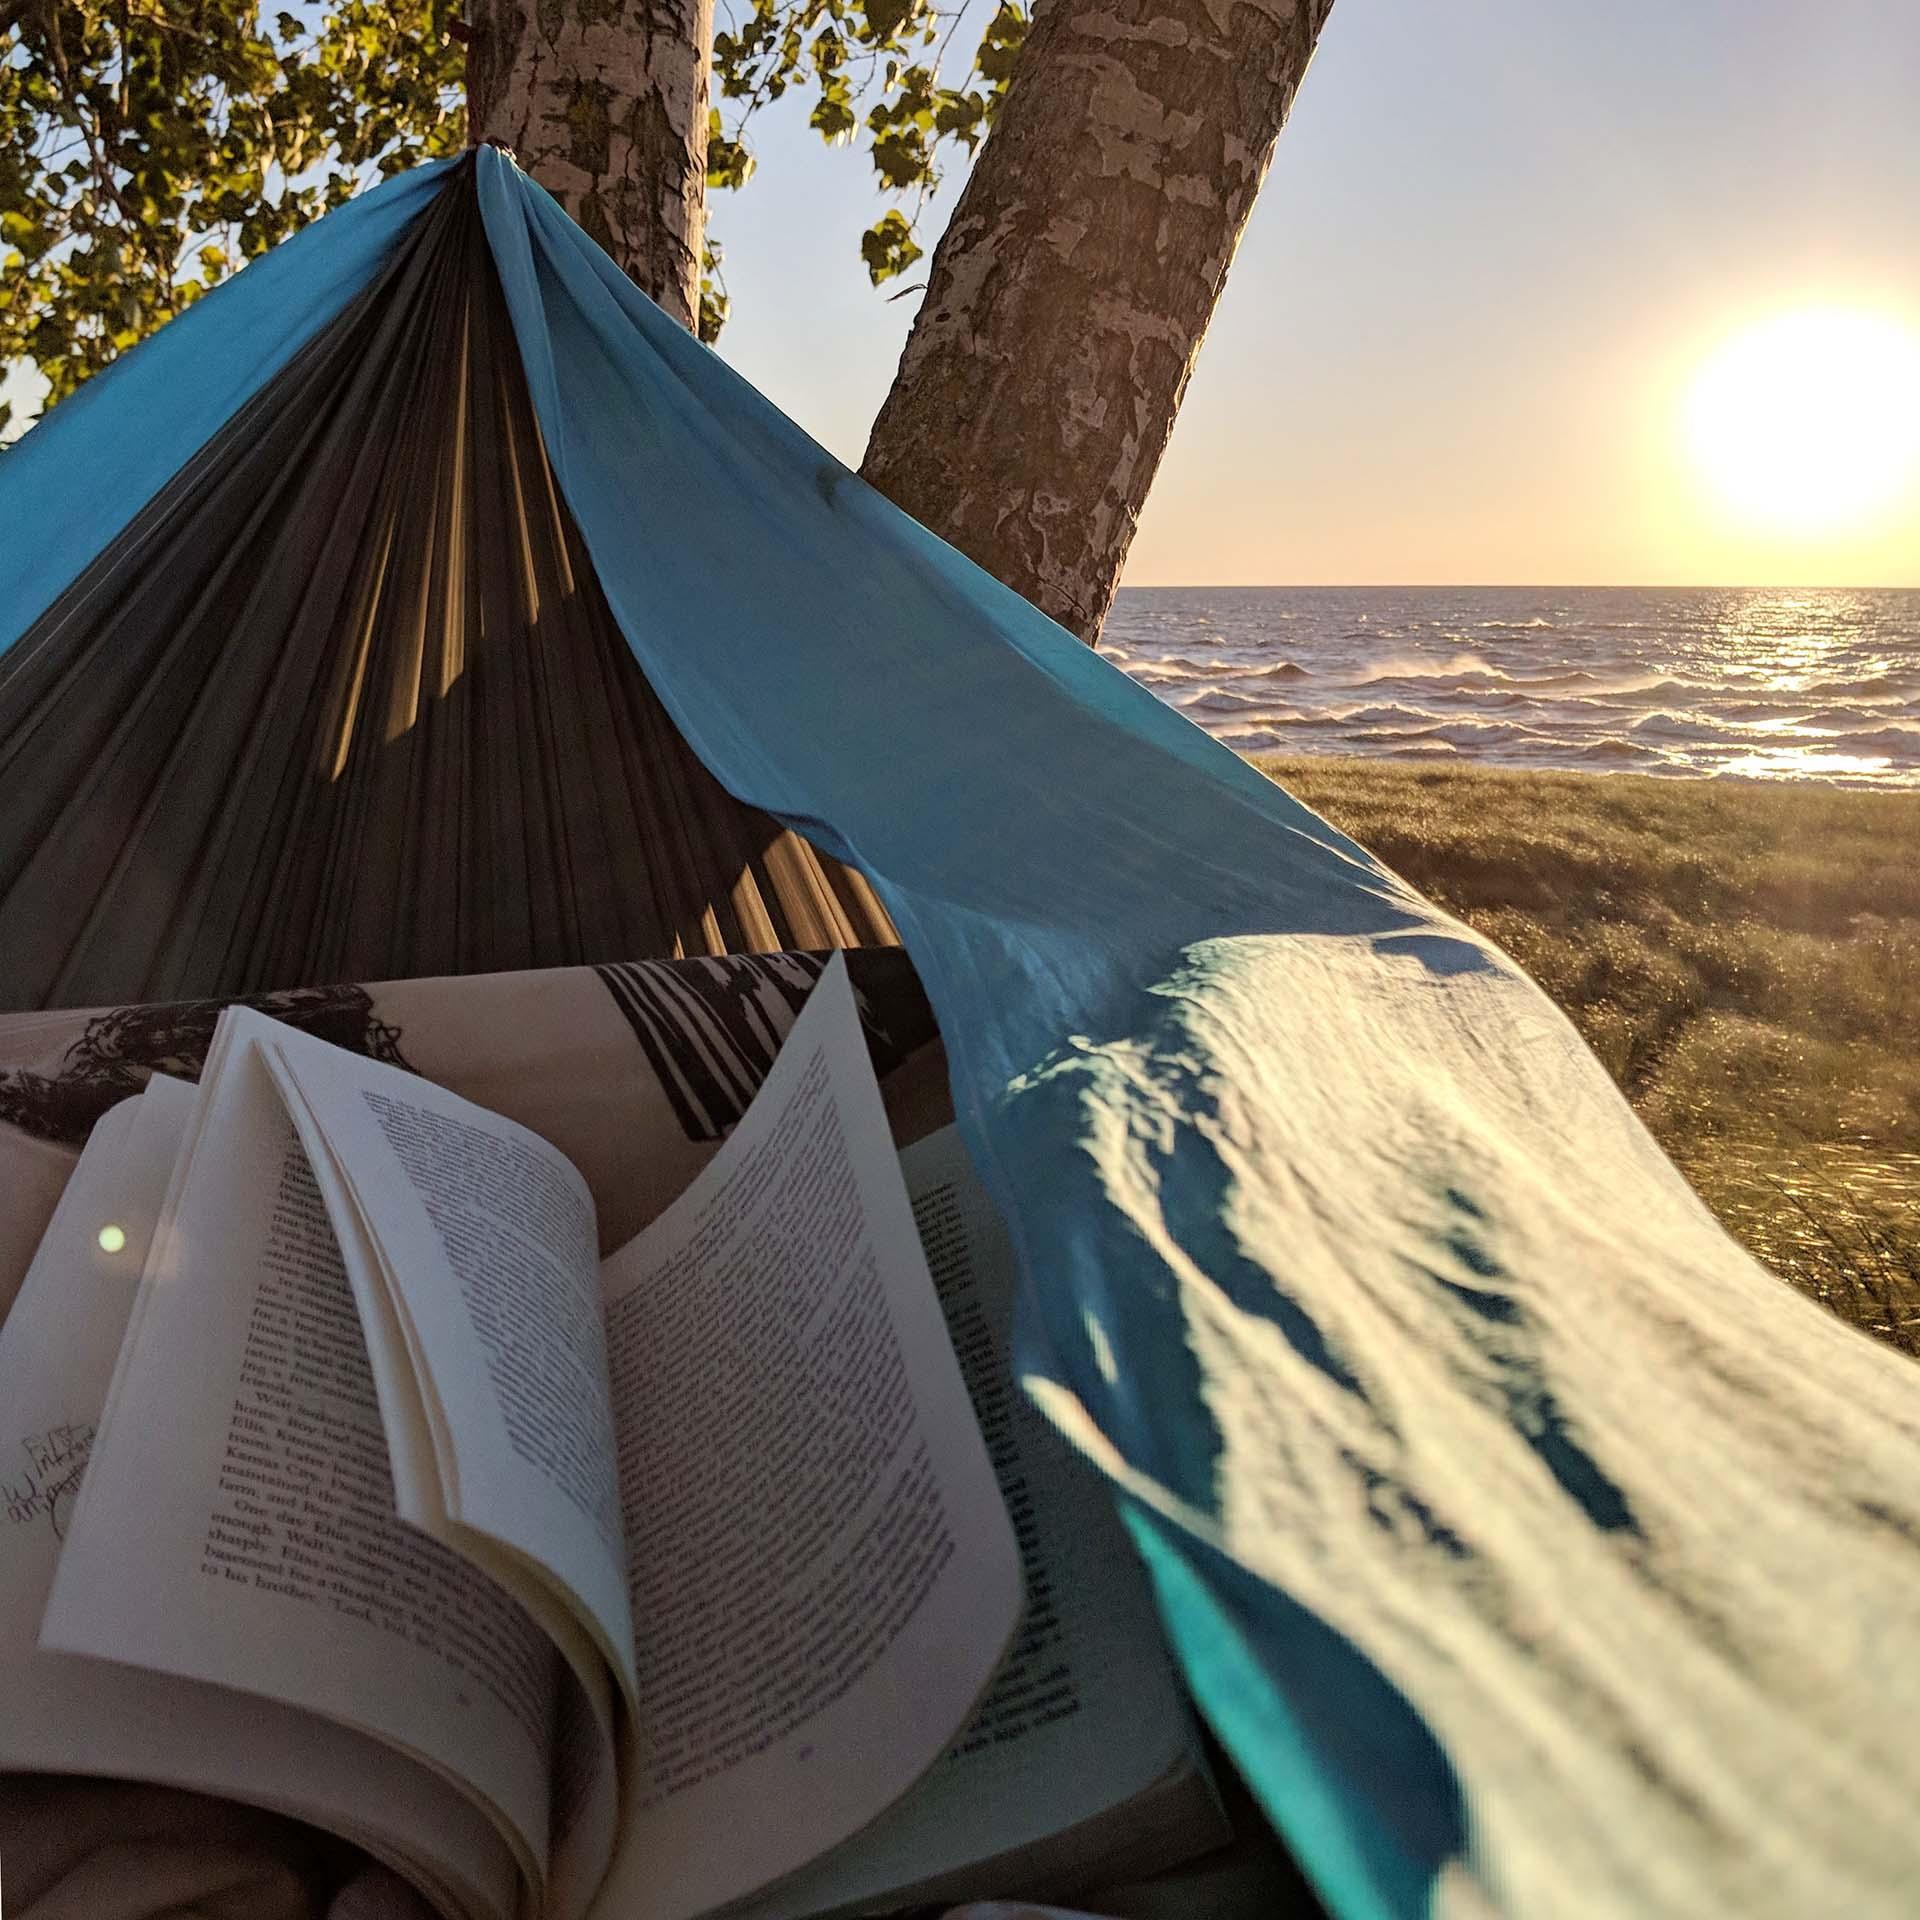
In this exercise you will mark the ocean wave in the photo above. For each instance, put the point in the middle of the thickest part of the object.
(1419, 667)
(1582, 684)
(1499, 700)
(1457, 733)
(1876, 689)
(1391, 714)
(1178, 670)
(1381, 736)
(1484, 682)
(1491, 733)
(1678, 726)
(1838, 719)
(1660, 692)
(1614, 749)
(1171, 666)
(1893, 743)
(1765, 710)
(1826, 689)
(1221, 700)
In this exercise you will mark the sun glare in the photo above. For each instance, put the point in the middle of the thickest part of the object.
(1808, 422)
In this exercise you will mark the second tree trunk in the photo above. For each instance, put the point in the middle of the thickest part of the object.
(1073, 286)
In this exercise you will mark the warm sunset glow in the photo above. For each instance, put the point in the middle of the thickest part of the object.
(1809, 421)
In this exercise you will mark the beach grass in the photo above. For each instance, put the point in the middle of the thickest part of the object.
(1743, 958)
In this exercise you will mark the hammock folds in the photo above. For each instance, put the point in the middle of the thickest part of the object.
(344, 701)
(1532, 1550)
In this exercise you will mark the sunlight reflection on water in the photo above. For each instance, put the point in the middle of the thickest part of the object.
(1805, 685)
(1805, 763)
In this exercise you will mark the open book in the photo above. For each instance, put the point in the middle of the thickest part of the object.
(634, 1588)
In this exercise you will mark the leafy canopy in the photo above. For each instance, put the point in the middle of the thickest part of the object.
(889, 55)
(148, 148)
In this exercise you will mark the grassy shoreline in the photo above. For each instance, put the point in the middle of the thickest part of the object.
(1743, 958)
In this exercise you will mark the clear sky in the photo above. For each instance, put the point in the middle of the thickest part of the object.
(1498, 241)
(1461, 339)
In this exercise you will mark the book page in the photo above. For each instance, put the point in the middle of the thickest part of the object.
(584, 1810)
(1085, 1713)
(470, 1246)
(64, 1714)
(473, 1241)
(258, 1547)
(823, 1574)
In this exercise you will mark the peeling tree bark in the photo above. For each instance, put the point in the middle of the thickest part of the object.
(1069, 294)
(604, 102)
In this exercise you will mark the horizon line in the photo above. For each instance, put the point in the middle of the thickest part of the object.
(1507, 586)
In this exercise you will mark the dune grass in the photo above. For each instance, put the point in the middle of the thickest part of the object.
(1744, 959)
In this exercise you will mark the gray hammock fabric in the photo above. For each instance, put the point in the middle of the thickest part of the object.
(345, 701)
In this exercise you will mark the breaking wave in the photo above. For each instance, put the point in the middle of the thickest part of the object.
(1816, 686)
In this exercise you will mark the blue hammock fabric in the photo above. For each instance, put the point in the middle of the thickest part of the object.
(1530, 1548)
(130, 429)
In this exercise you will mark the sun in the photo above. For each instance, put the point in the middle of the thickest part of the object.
(1808, 422)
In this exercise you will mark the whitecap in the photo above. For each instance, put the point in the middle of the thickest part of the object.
(1420, 667)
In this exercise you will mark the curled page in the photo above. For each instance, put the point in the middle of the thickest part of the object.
(478, 1248)
(824, 1576)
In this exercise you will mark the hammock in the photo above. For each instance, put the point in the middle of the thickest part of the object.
(1531, 1549)
(344, 701)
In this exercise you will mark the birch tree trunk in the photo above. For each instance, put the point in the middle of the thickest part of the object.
(1069, 295)
(604, 102)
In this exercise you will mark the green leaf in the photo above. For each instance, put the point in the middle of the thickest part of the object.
(1000, 44)
(888, 247)
(884, 19)
(901, 159)
(714, 302)
(729, 164)
(832, 116)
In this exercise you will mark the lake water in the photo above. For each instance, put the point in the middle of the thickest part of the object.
(1814, 684)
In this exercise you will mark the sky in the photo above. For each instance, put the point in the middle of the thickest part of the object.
(1457, 345)
(1460, 339)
